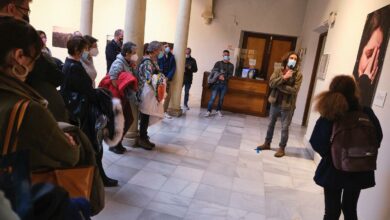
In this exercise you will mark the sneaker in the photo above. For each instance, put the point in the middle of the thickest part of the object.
(219, 113)
(186, 107)
(207, 114)
(167, 116)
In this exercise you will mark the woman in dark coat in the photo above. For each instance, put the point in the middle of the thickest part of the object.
(341, 188)
(81, 98)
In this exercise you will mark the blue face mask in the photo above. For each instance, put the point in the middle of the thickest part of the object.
(85, 55)
(291, 63)
(167, 50)
(226, 58)
(160, 55)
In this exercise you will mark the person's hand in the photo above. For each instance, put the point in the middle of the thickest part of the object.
(221, 77)
(372, 66)
(71, 140)
(288, 74)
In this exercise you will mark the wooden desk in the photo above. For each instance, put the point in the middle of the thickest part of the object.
(247, 96)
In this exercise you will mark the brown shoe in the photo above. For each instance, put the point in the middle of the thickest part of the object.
(280, 152)
(265, 146)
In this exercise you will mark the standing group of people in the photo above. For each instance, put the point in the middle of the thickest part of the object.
(65, 129)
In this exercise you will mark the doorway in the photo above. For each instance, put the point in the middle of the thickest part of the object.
(266, 49)
(319, 53)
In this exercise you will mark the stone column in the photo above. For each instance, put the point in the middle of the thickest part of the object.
(134, 31)
(181, 38)
(86, 17)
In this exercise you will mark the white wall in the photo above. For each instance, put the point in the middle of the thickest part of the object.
(342, 45)
(283, 17)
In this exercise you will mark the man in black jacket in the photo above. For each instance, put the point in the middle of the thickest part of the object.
(114, 48)
(190, 69)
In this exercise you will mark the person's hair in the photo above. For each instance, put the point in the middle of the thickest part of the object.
(145, 47)
(20, 35)
(189, 49)
(341, 97)
(154, 45)
(90, 40)
(4, 3)
(41, 32)
(128, 47)
(226, 51)
(285, 59)
(377, 19)
(118, 32)
(76, 44)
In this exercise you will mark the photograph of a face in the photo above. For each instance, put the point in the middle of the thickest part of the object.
(371, 53)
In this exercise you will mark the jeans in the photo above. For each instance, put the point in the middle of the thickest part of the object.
(143, 125)
(286, 116)
(220, 90)
(339, 199)
(187, 87)
(167, 97)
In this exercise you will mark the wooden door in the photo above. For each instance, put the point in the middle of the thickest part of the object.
(278, 48)
(257, 45)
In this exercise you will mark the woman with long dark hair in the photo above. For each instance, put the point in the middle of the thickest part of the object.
(341, 188)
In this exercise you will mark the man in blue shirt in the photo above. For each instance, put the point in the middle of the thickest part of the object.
(167, 66)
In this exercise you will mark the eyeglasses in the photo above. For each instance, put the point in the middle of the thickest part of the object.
(23, 9)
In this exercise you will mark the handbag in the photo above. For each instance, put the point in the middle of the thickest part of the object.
(77, 181)
(14, 166)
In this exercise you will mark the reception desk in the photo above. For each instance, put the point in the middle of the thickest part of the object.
(247, 96)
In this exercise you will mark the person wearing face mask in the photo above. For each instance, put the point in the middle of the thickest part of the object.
(47, 145)
(19, 9)
(125, 63)
(87, 61)
(218, 79)
(86, 104)
(151, 97)
(284, 83)
(190, 68)
(167, 64)
(114, 48)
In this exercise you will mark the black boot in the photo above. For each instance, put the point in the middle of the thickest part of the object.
(108, 182)
(145, 143)
(118, 149)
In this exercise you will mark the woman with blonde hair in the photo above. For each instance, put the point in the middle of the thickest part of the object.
(341, 188)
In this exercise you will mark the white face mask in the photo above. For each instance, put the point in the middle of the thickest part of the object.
(94, 52)
(187, 56)
(134, 58)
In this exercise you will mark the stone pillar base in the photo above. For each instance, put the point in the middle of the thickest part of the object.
(175, 112)
(131, 135)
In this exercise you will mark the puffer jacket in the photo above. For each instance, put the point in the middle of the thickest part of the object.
(118, 66)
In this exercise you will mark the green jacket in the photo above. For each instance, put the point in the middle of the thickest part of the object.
(39, 131)
(42, 135)
(287, 89)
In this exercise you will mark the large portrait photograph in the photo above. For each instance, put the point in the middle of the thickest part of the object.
(371, 53)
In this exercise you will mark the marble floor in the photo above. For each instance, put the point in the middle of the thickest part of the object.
(207, 168)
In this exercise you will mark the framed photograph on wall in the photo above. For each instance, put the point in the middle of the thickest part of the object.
(61, 36)
(371, 53)
(323, 66)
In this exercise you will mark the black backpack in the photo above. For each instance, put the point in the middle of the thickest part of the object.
(354, 143)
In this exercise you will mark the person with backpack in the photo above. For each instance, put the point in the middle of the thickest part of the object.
(342, 185)
(218, 82)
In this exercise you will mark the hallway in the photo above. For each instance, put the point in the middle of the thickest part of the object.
(207, 168)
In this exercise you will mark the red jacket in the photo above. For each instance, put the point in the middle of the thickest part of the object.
(125, 79)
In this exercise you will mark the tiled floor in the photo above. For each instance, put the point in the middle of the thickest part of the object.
(207, 168)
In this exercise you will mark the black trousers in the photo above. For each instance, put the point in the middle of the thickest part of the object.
(143, 126)
(341, 199)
